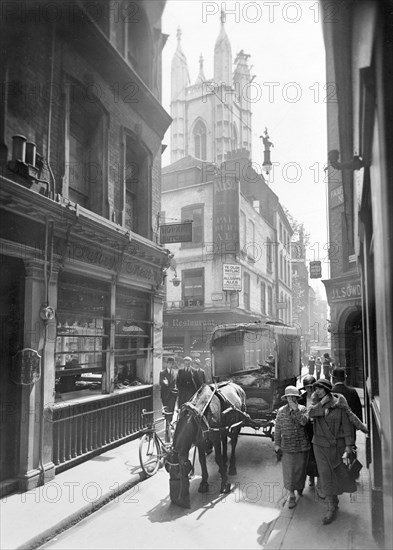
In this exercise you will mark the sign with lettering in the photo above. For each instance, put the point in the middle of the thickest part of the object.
(226, 214)
(232, 277)
(336, 196)
(348, 291)
(315, 270)
(176, 233)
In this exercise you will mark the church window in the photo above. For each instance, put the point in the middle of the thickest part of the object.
(200, 140)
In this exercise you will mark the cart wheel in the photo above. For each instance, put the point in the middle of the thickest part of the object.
(149, 454)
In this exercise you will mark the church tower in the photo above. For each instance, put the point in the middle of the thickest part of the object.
(180, 79)
(211, 117)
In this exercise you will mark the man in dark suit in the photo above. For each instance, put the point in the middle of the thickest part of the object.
(168, 387)
(350, 394)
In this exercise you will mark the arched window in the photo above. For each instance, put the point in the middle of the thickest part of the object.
(200, 140)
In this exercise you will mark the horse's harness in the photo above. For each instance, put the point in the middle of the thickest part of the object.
(200, 416)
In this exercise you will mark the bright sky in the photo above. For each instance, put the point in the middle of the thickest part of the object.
(284, 40)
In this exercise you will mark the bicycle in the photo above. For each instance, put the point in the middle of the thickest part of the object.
(152, 449)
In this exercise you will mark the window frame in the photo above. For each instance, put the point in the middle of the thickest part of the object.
(200, 271)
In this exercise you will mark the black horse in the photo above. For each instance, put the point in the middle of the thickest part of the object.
(214, 412)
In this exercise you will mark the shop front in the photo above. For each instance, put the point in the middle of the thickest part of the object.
(344, 298)
(85, 300)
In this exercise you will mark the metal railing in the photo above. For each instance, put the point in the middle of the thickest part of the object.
(91, 427)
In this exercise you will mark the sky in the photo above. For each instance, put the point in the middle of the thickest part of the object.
(285, 43)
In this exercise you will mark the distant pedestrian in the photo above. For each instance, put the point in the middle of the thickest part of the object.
(168, 387)
(196, 364)
(188, 382)
(291, 440)
(311, 365)
(318, 368)
(326, 366)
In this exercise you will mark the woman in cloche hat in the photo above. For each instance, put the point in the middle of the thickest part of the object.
(291, 440)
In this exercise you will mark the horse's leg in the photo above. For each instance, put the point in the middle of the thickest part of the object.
(224, 447)
(184, 492)
(232, 463)
(225, 485)
(204, 486)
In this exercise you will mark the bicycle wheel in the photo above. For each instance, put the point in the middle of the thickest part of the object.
(149, 454)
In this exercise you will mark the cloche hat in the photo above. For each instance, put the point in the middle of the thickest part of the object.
(325, 384)
(291, 391)
(308, 380)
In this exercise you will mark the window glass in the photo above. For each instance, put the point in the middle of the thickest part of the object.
(246, 292)
(263, 298)
(82, 338)
(194, 213)
(193, 287)
(132, 338)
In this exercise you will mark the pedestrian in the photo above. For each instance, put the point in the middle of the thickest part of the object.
(168, 387)
(311, 365)
(333, 435)
(291, 440)
(188, 382)
(208, 370)
(318, 368)
(306, 399)
(326, 366)
(196, 364)
(350, 394)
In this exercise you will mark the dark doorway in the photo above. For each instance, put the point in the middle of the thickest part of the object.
(12, 282)
(354, 349)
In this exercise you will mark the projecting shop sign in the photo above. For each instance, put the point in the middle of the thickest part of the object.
(232, 277)
(315, 270)
(176, 233)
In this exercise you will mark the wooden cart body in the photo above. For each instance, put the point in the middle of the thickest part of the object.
(239, 352)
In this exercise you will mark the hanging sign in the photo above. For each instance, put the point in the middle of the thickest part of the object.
(315, 270)
(176, 233)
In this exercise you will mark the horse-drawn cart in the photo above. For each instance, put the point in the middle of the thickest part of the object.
(262, 358)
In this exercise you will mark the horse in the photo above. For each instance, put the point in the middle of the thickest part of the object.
(215, 412)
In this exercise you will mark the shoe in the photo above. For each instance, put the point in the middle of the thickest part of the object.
(300, 492)
(320, 494)
(311, 482)
(330, 516)
(292, 502)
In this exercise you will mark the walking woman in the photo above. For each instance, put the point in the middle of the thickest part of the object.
(333, 434)
(306, 399)
(291, 440)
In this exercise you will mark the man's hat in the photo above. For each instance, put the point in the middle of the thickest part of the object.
(325, 384)
(339, 373)
(171, 359)
(187, 358)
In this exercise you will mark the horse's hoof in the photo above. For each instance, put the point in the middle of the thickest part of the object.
(225, 488)
(184, 503)
(203, 488)
(232, 471)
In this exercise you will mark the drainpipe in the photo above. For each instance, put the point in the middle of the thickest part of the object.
(49, 128)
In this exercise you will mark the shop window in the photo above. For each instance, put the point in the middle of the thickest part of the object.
(136, 196)
(132, 338)
(193, 287)
(82, 338)
(85, 149)
(246, 291)
(196, 214)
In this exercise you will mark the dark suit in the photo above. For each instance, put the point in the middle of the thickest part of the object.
(188, 382)
(168, 391)
(352, 396)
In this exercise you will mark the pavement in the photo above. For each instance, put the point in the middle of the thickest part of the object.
(30, 519)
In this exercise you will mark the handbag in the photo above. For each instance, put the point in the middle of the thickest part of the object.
(345, 480)
(354, 466)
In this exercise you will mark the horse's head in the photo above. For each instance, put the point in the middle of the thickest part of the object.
(185, 433)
